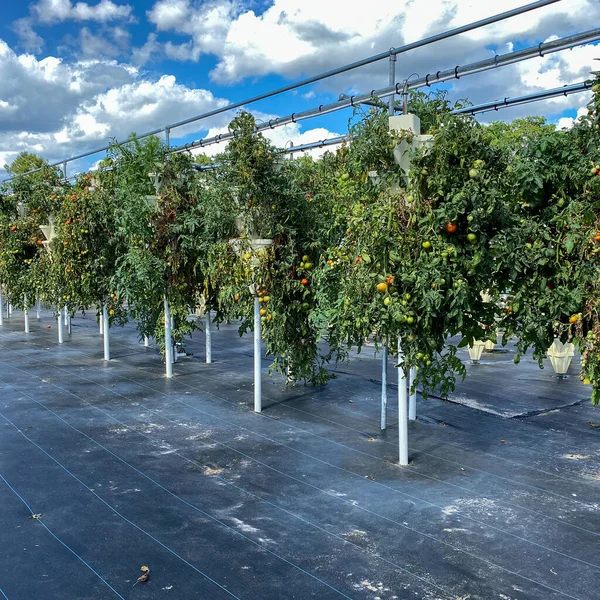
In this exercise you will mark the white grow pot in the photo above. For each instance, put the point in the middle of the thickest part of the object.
(476, 350)
(489, 345)
(561, 355)
(48, 232)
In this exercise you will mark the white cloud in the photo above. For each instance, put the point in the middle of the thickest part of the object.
(55, 11)
(294, 37)
(568, 122)
(29, 39)
(57, 109)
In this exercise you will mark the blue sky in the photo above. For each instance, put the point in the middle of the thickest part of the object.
(76, 74)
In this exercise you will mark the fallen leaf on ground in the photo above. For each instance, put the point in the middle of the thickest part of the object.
(370, 477)
(594, 424)
(503, 441)
(36, 516)
(143, 578)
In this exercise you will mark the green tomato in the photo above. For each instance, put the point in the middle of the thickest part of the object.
(387, 300)
(410, 320)
(426, 245)
(472, 238)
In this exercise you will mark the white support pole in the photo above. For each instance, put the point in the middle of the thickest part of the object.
(257, 358)
(60, 328)
(412, 400)
(65, 315)
(146, 341)
(168, 341)
(25, 313)
(1, 313)
(174, 350)
(9, 309)
(38, 309)
(106, 332)
(208, 336)
(402, 409)
(101, 324)
(68, 322)
(384, 370)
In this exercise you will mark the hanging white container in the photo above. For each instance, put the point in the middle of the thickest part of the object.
(561, 355)
(476, 350)
(48, 232)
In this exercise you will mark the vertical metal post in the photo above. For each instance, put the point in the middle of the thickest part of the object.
(60, 327)
(9, 309)
(412, 400)
(66, 314)
(69, 322)
(168, 137)
(168, 341)
(173, 346)
(39, 308)
(384, 358)
(65, 170)
(402, 409)
(384, 366)
(1, 314)
(208, 336)
(106, 332)
(25, 313)
(392, 82)
(257, 358)
(101, 323)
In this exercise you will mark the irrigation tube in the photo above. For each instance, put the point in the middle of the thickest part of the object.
(402, 409)
(257, 358)
(25, 313)
(168, 341)
(106, 332)
(360, 63)
(208, 336)
(542, 95)
(480, 108)
(439, 77)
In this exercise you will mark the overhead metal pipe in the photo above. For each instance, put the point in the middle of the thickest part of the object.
(517, 100)
(331, 73)
(430, 79)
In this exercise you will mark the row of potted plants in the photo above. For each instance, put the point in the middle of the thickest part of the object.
(359, 245)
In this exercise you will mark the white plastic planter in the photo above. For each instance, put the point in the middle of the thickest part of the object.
(476, 350)
(489, 345)
(402, 150)
(48, 231)
(560, 356)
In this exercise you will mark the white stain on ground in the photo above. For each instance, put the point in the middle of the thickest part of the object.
(244, 526)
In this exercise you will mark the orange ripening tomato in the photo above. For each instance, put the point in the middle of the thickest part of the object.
(450, 227)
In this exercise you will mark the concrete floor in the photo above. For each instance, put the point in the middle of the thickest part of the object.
(305, 500)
